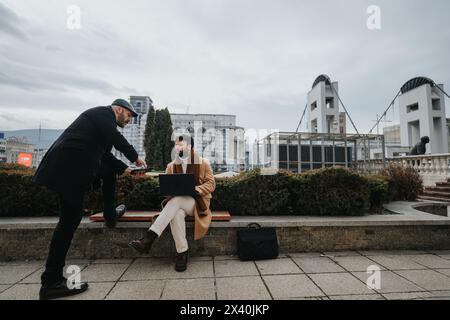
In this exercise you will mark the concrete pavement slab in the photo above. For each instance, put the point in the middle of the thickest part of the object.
(292, 286)
(137, 290)
(241, 288)
(278, 266)
(340, 284)
(189, 289)
(317, 265)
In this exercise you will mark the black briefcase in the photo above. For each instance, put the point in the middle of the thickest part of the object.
(256, 243)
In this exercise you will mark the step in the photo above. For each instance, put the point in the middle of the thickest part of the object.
(443, 184)
(149, 216)
(436, 194)
(438, 189)
(423, 197)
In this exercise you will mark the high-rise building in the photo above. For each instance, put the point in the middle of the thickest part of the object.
(422, 113)
(323, 107)
(2, 147)
(135, 130)
(141, 103)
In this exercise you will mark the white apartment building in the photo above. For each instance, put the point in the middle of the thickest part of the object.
(323, 107)
(422, 113)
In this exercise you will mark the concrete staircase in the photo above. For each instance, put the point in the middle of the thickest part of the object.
(440, 192)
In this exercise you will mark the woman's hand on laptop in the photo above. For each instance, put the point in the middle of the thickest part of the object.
(198, 190)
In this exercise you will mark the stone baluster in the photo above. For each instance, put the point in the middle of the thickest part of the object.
(444, 165)
(433, 165)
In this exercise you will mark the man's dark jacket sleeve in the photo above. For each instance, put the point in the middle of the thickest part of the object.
(118, 166)
(114, 137)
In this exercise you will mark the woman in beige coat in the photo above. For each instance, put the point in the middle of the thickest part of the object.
(175, 209)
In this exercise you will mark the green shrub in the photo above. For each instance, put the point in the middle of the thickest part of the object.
(20, 197)
(253, 194)
(379, 192)
(13, 168)
(331, 191)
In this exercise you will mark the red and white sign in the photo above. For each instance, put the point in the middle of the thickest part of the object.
(25, 159)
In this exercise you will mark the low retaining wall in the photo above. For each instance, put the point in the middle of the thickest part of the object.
(19, 241)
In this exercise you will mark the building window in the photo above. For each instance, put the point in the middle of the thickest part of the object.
(314, 125)
(436, 104)
(412, 108)
(330, 103)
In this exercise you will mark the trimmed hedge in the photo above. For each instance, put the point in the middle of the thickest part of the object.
(330, 191)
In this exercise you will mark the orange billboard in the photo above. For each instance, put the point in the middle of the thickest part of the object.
(25, 159)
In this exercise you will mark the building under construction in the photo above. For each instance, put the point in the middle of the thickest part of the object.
(421, 104)
(303, 151)
(327, 144)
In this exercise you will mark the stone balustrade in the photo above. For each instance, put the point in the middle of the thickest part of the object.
(432, 167)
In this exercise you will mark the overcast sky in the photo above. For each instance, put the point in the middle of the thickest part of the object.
(256, 59)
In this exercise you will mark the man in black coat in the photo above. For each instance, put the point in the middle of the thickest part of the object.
(78, 158)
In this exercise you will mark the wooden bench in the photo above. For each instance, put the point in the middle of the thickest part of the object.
(150, 216)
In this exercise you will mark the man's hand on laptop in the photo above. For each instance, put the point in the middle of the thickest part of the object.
(140, 163)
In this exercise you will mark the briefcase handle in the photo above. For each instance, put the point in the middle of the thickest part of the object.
(254, 225)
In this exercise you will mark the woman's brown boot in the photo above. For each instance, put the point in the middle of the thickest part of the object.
(144, 244)
(181, 261)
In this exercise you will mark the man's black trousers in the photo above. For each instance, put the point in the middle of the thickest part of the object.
(70, 215)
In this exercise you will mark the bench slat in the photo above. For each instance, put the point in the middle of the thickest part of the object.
(149, 216)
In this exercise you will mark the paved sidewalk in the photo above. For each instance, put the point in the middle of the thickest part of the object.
(342, 275)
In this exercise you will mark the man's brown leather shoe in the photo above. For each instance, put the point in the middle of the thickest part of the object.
(144, 244)
(181, 261)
